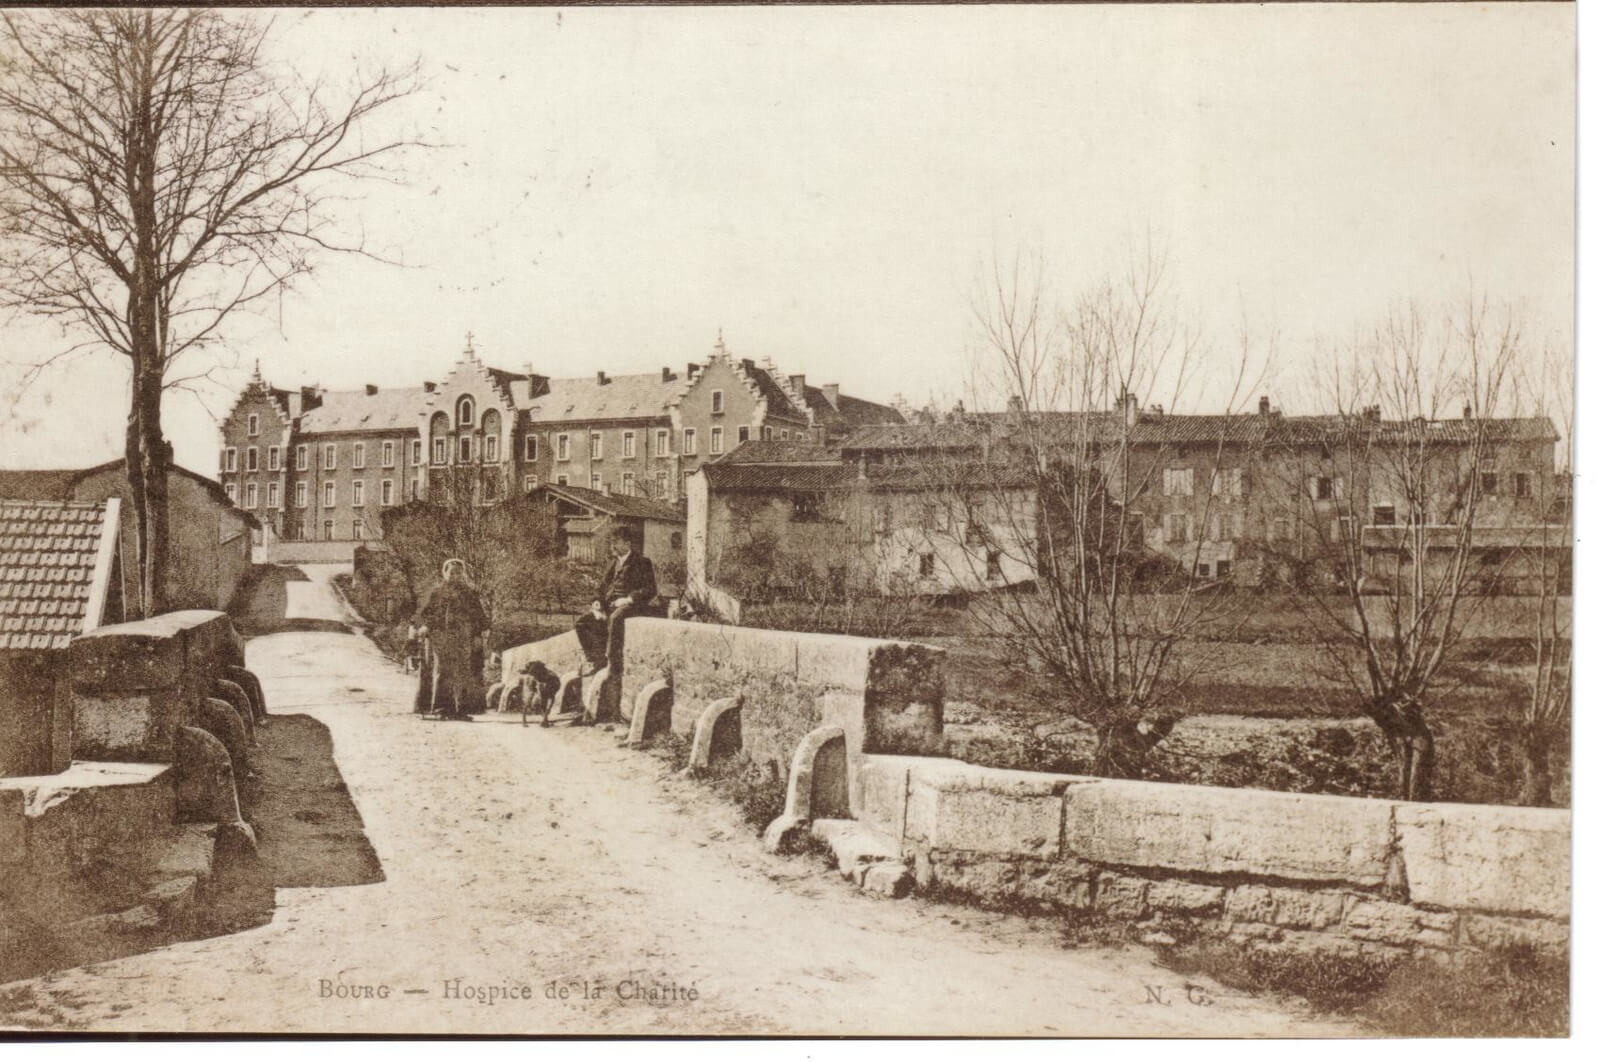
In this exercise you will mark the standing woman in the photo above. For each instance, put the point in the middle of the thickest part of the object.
(456, 622)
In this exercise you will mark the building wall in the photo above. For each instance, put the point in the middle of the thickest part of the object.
(35, 713)
(294, 521)
(743, 408)
(654, 472)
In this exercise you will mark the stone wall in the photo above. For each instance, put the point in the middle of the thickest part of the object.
(560, 653)
(888, 697)
(1287, 871)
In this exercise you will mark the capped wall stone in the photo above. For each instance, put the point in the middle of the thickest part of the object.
(952, 805)
(1498, 858)
(1229, 831)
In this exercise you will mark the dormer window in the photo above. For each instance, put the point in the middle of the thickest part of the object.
(464, 411)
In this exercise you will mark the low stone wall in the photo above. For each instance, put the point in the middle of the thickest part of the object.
(1299, 872)
(292, 551)
(560, 653)
(93, 814)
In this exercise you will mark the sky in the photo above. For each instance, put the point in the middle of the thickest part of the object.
(612, 187)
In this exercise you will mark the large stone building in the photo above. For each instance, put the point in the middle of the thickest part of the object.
(323, 465)
(953, 503)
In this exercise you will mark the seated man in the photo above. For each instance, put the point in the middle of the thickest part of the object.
(629, 584)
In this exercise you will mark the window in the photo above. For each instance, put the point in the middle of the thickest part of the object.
(661, 485)
(627, 445)
(491, 490)
(358, 529)
(388, 454)
(595, 483)
(1344, 529)
(231, 462)
(330, 457)
(1203, 569)
(744, 433)
(1177, 528)
(1228, 482)
(440, 454)
(529, 483)
(1322, 488)
(1177, 482)
(302, 457)
(358, 493)
(1227, 527)
(677, 541)
(300, 528)
(807, 507)
(1383, 515)
(1522, 485)
(786, 434)
(627, 484)
(1487, 483)
(925, 565)
(330, 493)
(688, 441)
(716, 401)
(991, 569)
(272, 495)
(491, 448)
(562, 480)
(232, 491)
(416, 452)
(274, 457)
(1224, 568)
(716, 440)
(300, 494)
(663, 447)
(416, 485)
(250, 496)
(359, 458)
(253, 423)
(595, 446)
(464, 449)
(464, 411)
(530, 448)
(327, 530)
(766, 432)
(563, 447)
(251, 460)
(386, 493)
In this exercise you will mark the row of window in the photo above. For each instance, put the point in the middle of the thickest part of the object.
(1235, 483)
(330, 494)
(388, 450)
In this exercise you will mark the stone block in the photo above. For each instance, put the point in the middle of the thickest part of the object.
(1227, 831)
(652, 712)
(1498, 858)
(1497, 932)
(1000, 880)
(191, 851)
(904, 700)
(1310, 909)
(955, 806)
(223, 721)
(1177, 896)
(853, 844)
(1371, 920)
(1120, 897)
(1249, 903)
(561, 654)
(880, 798)
(602, 695)
(786, 834)
(887, 879)
(205, 786)
(138, 727)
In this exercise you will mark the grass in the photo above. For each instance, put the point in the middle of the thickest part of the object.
(757, 792)
(1511, 992)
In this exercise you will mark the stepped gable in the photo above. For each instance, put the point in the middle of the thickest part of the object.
(56, 560)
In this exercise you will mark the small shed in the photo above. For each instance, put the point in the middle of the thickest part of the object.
(581, 513)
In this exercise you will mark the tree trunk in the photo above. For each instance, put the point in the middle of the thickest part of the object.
(1411, 742)
(1533, 750)
(1122, 748)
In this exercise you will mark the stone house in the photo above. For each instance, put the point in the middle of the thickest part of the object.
(581, 515)
(60, 575)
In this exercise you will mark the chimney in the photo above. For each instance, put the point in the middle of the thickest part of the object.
(693, 372)
(1130, 408)
(1466, 412)
(830, 392)
(1264, 406)
(372, 389)
(667, 374)
(600, 377)
(797, 381)
(428, 386)
(310, 398)
(1014, 404)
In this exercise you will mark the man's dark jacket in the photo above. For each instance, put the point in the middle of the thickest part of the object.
(632, 576)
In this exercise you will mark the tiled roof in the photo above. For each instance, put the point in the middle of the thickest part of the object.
(48, 557)
(851, 412)
(941, 436)
(633, 395)
(390, 410)
(778, 403)
(616, 505)
(766, 452)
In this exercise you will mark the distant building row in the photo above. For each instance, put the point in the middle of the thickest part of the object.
(323, 465)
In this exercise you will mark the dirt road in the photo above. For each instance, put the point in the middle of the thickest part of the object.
(543, 881)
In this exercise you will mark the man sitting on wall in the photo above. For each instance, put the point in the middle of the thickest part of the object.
(628, 586)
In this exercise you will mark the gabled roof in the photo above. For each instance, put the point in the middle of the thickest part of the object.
(630, 396)
(56, 561)
(850, 413)
(388, 410)
(778, 401)
(615, 505)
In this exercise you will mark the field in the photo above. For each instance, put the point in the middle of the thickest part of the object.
(1264, 710)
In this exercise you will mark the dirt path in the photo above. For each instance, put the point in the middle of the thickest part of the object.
(535, 861)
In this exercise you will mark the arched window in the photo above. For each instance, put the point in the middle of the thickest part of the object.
(464, 411)
(491, 436)
(439, 434)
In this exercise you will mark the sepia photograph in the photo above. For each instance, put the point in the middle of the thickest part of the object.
(978, 521)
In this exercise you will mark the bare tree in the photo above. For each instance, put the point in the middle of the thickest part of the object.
(1114, 615)
(1390, 496)
(157, 175)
